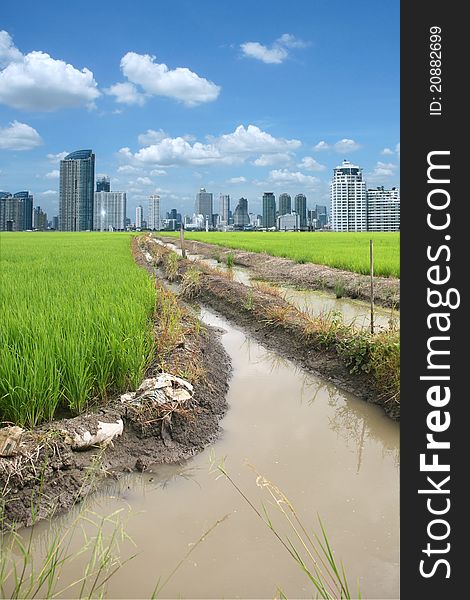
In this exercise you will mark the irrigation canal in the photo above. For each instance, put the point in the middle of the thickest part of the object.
(330, 453)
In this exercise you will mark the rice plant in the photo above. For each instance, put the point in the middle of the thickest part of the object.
(76, 322)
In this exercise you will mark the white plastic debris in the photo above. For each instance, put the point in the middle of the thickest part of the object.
(164, 389)
(148, 256)
(10, 438)
(81, 437)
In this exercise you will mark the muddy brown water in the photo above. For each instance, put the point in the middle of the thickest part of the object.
(330, 453)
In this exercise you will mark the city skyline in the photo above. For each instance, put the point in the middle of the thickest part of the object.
(244, 107)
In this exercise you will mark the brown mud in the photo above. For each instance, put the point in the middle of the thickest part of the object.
(45, 476)
(306, 275)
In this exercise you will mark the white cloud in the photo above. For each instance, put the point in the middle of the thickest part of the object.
(157, 172)
(267, 160)
(144, 181)
(49, 193)
(390, 152)
(126, 93)
(54, 174)
(397, 149)
(19, 136)
(128, 169)
(321, 146)
(38, 82)
(276, 53)
(387, 151)
(284, 176)
(8, 52)
(55, 158)
(156, 79)
(231, 148)
(237, 180)
(309, 163)
(151, 137)
(346, 145)
(382, 171)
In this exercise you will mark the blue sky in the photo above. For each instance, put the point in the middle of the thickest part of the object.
(237, 97)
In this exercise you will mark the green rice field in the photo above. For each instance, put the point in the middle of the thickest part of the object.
(349, 251)
(76, 322)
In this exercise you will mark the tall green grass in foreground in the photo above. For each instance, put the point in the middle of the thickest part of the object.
(75, 325)
(348, 251)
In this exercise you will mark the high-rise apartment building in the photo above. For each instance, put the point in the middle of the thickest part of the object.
(300, 207)
(154, 218)
(285, 205)
(39, 219)
(77, 178)
(139, 217)
(241, 217)
(203, 205)
(103, 184)
(383, 209)
(16, 211)
(269, 210)
(224, 209)
(109, 212)
(348, 199)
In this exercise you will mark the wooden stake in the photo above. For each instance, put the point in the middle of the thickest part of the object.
(371, 286)
(183, 251)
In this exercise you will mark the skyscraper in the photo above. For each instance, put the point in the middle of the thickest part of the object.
(154, 220)
(103, 184)
(269, 210)
(383, 209)
(77, 177)
(348, 198)
(241, 217)
(39, 219)
(300, 204)
(139, 217)
(203, 204)
(109, 211)
(321, 216)
(224, 208)
(285, 205)
(16, 211)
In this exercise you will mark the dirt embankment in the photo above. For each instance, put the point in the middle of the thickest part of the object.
(48, 473)
(280, 326)
(307, 275)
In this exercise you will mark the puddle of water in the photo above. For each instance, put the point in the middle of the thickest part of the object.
(329, 452)
(352, 311)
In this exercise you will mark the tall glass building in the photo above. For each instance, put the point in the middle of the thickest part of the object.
(77, 181)
(16, 211)
(154, 217)
(103, 184)
(300, 207)
(109, 212)
(203, 205)
(241, 218)
(269, 210)
(285, 205)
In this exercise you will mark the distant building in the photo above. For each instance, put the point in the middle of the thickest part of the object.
(224, 209)
(39, 219)
(269, 210)
(139, 217)
(16, 211)
(203, 205)
(383, 209)
(290, 222)
(77, 177)
(154, 219)
(55, 222)
(348, 198)
(109, 212)
(241, 219)
(103, 184)
(300, 207)
(321, 216)
(285, 205)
